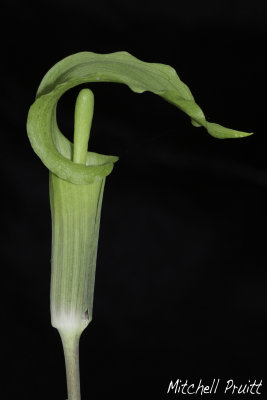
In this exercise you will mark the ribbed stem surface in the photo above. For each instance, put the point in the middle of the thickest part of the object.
(75, 225)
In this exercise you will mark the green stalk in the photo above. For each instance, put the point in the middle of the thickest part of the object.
(71, 355)
(75, 225)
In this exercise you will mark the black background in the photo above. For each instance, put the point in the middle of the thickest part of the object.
(181, 271)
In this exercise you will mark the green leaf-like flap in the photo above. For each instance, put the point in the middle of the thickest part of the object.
(56, 151)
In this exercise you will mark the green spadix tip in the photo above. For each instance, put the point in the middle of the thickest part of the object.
(84, 110)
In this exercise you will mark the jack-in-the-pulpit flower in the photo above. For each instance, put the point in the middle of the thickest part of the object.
(77, 178)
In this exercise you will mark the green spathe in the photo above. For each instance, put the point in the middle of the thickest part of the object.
(56, 151)
(75, 210)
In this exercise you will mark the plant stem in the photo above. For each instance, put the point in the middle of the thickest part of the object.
(70, 343)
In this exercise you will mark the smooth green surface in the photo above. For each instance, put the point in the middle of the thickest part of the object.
(70, 344)
(56, 151)
(84, 110)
